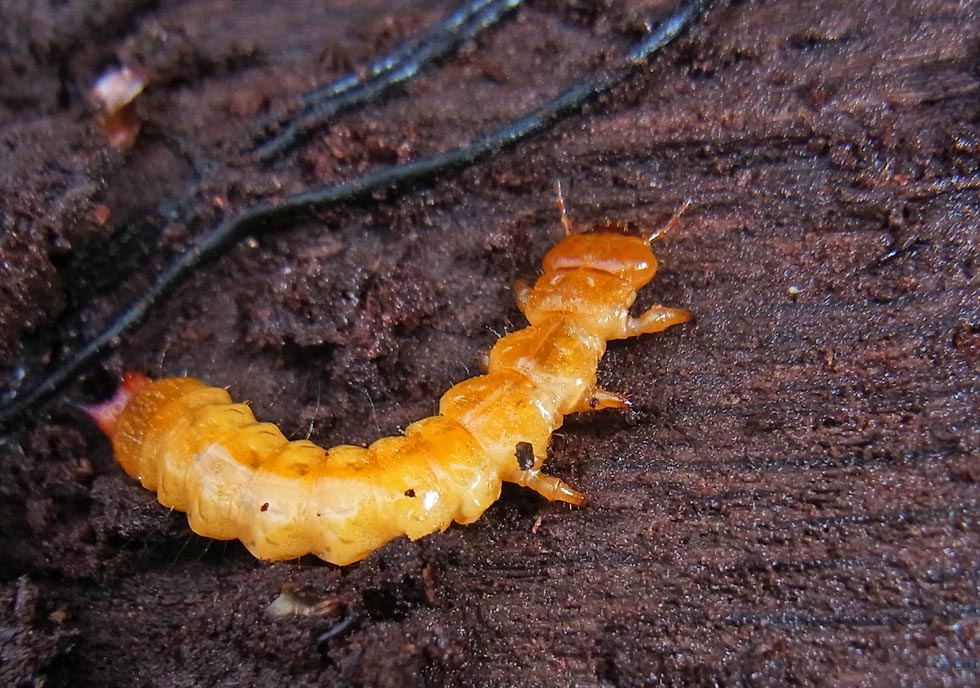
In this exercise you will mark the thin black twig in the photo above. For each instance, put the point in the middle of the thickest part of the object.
(275, 212)
(322, 104)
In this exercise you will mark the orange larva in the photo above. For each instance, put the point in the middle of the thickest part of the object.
(238, 478)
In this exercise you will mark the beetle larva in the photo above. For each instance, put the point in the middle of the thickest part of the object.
(237, 478)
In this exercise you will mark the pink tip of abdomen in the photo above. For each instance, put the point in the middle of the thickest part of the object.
(106, 415)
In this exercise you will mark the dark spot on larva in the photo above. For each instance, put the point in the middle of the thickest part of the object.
(593, 403)
(409, 492)
(264, 507)
(525, 455)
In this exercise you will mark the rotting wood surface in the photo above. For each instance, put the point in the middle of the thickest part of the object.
(792, 498)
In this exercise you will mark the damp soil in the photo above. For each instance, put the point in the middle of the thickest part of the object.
(792, 498)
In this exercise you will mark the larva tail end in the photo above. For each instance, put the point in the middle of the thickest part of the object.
(106, 415)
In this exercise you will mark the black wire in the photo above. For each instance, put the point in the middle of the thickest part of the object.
(321, 104)
(267, 212)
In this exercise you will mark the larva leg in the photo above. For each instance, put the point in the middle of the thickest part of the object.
(599, 399)
(654, 319)
(548, 486)
(528, 474)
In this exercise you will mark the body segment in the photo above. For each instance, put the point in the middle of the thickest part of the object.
(238, 478)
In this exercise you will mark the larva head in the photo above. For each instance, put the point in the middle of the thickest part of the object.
(626, 257)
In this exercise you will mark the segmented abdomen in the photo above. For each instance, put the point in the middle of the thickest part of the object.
(237, 478)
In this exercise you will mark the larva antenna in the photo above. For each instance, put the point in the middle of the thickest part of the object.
(671, 223)
(566, 222)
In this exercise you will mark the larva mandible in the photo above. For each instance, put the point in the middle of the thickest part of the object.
(237, 478)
